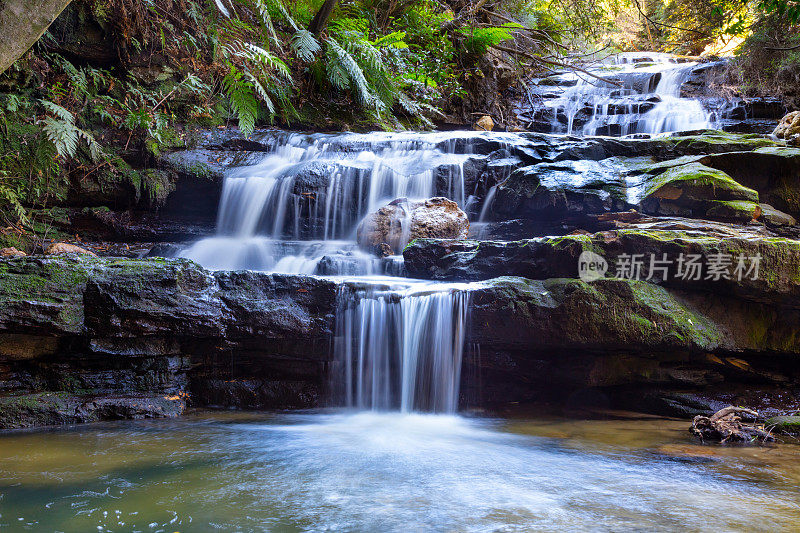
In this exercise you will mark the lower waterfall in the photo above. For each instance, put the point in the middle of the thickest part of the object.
(400, 348)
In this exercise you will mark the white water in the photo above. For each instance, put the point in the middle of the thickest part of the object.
(398, 342)
(314, 190)
(647, 102)
(401, 347)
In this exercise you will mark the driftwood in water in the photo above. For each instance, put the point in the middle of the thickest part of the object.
(726, 426)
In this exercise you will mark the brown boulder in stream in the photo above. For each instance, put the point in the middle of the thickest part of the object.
(403, 220)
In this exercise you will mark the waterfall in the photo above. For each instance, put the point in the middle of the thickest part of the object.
(297, 209)
(400, 348)
(643, 95)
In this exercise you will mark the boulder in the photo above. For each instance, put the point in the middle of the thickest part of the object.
(58, 248)
(789, 126)
(561, 191)
(12, 252)
(403, 220)
(485, 123)
(693, 189)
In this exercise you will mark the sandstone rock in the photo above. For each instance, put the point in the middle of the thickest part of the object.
(777, 281)
(485, 123)
(402, 221)
(772, 171)
(789, 126)
(59, 408)
(58, 248)
(12, 252)
(773, 217)
(694, 189)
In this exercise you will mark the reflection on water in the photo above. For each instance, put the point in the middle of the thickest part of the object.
(341, 471)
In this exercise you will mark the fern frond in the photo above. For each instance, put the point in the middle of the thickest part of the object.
(305, 45)
(267, 60)
(261, 92)
(241, 95)
(263, 12)
(393, 40)
(95, 150)
(63, 135)
(58, 111)
(341, 64)
(222, 8)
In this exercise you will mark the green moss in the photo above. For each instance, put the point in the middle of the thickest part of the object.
(694, 181)
(739, 210)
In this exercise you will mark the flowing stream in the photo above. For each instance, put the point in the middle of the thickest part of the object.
(393, 455)
(369, 471)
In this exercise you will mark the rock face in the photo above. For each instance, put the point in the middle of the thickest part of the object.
(391, 227)
(87, 339)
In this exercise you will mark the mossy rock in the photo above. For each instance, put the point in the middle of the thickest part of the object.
(734, 210)
(789, 424)
(686, 190)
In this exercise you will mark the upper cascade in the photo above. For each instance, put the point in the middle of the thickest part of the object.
(629, 93)
(296, 209)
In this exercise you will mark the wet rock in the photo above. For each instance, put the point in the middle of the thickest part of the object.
(123, 327)
(772, 171)
(403, 221)
(60, 408)
(788, 424)
(776, 282)
(694, 189)
(560, 191)
(773, 217)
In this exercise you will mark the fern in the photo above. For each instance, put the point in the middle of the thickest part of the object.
(267, 61)
(58, 111)
(261, 92)
(11, 197)
(242, 97)
(222, 8)
(345, 72)
(64, 134)
(266, 20)
(479, 40)
(305, 45)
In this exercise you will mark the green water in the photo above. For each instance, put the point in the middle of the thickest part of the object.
(339, 471)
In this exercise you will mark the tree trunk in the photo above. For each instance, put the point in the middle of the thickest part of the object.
(22, 22)
(322, 17)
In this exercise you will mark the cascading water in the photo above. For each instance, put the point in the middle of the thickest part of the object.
(398, 343)
(642, 95)
(295, 210)
(401, 347)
